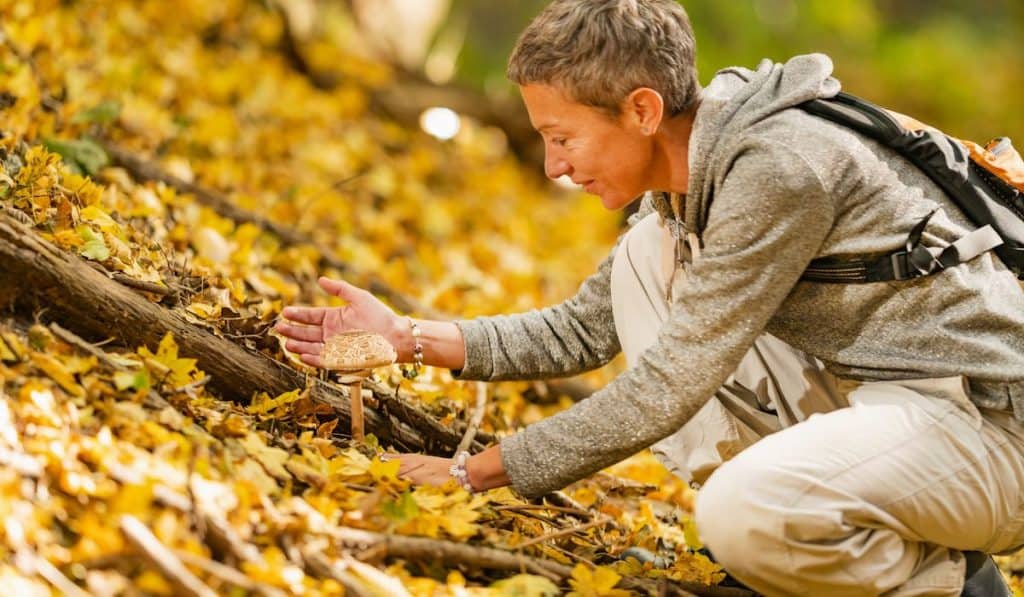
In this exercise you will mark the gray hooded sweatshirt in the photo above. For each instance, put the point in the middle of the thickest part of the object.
(771, 188)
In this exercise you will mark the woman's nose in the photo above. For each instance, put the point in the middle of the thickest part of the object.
(555, 166)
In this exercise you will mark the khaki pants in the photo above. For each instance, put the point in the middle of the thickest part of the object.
(810, 492)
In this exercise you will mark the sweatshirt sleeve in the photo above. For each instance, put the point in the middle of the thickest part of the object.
(574, 336)
(768, 220)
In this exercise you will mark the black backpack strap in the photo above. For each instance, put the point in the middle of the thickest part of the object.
(947, 163)
(914, 261)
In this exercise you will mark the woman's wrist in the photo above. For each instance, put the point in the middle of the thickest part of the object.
(440, 341)
(402, 339)
(486, 471)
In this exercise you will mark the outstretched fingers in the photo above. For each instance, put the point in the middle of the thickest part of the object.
(299, 347)
(308, 315)
(339, 288)
(308, 333)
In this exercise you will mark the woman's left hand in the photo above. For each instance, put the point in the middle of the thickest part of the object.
(421, 469)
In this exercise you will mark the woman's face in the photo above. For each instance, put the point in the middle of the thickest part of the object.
(608, 156)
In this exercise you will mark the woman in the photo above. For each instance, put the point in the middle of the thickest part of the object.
(887, 488)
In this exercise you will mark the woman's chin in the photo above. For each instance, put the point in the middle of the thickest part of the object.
(615, 201)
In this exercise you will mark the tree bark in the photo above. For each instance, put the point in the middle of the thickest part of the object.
(35, 274)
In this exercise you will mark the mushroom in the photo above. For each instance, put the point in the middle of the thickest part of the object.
(354, 354)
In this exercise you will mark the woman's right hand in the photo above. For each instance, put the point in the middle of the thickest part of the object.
(308, 327)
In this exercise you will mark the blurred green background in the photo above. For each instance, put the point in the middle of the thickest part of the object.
(954, 64)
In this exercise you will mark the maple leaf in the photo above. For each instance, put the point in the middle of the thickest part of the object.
(599, 582)
(167, 366)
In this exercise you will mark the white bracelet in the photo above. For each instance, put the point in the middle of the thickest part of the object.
(458, 471)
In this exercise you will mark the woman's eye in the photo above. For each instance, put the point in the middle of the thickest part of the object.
(559, 141)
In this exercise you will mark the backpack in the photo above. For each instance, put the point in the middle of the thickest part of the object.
(986, 183)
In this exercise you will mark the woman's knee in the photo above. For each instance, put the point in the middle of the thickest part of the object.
(735, 513)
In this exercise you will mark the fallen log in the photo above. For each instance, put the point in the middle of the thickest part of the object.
(35, 274)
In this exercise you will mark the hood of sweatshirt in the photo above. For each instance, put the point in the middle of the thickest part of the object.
(736, 99)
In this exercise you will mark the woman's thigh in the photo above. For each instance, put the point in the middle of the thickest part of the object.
(913, 457)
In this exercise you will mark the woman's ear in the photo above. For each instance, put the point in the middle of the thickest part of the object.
(643, 110)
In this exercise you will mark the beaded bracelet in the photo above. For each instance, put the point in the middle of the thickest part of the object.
(458, 471)
(417, 352)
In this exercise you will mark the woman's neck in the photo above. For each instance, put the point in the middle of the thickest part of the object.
(670, 170)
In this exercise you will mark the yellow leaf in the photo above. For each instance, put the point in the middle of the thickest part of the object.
(271, 458)
(599, 582)
(384, 470)
(58, 373)
(350, 463)
(525, 585)
(263, 404)
(94, 214)
(690, 534)
(176, 372)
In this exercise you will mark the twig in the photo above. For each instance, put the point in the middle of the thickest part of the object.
(478, 556)
(194, 511)
(522, 507)
(561, 533)
(572, 556)
(77, 341)
(10, 348)
(26, 558)
(227, 574)
(447, 552)
(192, 386)
(476, 419)
(130, 282)
(320, 566)
(163, 559)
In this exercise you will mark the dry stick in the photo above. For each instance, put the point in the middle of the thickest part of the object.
(48, 571)
(476, 419)
(131, 282)
(561, 533)
(76, 341)
(526, 507)
(163, 559)
(449, 552)
(227, 574)
(36, 273)
(220, 536)
(320, 566)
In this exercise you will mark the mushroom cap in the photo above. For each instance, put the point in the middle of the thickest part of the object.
(357, 350)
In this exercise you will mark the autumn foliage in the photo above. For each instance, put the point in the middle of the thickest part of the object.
(121, 471)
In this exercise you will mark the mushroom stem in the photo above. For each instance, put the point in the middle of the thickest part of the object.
(355, 396)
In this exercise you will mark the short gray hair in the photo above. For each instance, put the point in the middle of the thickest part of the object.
(598, 51)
